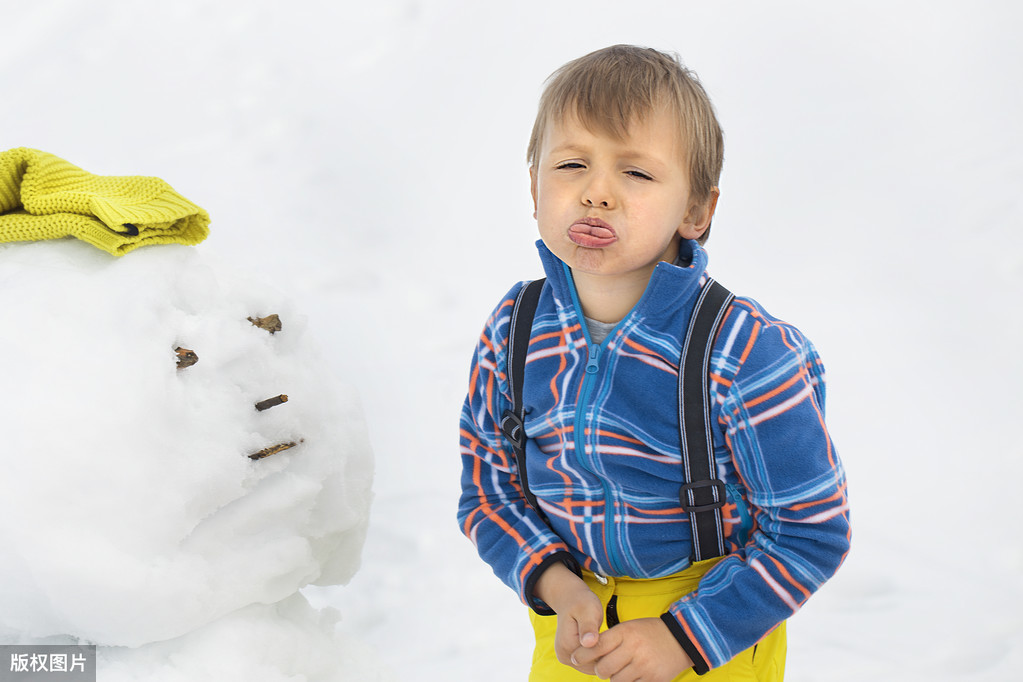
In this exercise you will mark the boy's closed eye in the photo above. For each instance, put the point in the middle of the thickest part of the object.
(576, 165)
(639, 174)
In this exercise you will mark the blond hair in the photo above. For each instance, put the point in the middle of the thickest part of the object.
(610, 88)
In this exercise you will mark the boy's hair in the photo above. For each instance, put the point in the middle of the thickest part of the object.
(611, 87)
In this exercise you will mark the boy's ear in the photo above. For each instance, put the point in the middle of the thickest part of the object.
(532, 186)
(698, 218)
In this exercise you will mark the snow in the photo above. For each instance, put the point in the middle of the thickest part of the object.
(366, 159)
(130, 512)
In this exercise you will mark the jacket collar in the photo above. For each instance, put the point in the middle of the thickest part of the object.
(671, 285)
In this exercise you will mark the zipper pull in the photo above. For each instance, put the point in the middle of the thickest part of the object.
(591, 362)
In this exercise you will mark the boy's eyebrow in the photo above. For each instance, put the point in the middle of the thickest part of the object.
(567, 147)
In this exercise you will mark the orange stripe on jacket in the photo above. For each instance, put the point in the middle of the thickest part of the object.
(788, 577)
(798, 376)
(749, 344)
(647, 351)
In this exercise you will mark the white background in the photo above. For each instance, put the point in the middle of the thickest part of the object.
(369, 158)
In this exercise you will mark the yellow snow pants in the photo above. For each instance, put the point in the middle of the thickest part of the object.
(763, 662)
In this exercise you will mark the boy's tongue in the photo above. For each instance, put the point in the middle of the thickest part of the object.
(592, 236)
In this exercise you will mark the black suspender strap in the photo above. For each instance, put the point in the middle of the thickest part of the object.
(703, 494)
(512, 421)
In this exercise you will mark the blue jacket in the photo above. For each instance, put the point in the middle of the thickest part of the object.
(603, 457)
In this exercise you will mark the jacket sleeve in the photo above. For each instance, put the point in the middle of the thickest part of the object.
(492, 512)
(772, 419)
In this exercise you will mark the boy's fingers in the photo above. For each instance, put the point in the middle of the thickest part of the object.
(607, 642)
(616, 662)
(587, 619)
(589, 627)
(579, 632)
(581, 628)
(588, 638)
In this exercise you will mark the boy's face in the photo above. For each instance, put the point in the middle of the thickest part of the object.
(615, 208)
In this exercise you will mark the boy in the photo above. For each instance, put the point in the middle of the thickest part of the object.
(624, 158)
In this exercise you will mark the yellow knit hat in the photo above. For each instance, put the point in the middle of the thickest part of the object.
(45, 197)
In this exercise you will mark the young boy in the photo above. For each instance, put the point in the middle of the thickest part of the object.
(624, 159)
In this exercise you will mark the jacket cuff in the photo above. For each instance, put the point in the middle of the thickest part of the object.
(700, 666)
(529, 588)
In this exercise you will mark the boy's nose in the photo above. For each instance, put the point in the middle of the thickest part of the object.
(597, 193)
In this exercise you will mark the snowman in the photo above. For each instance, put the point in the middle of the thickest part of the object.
(178, 463)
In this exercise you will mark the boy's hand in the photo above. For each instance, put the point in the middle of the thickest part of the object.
(642, 649)
(579, 610)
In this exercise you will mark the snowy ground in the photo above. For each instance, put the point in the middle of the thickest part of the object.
(368, 157)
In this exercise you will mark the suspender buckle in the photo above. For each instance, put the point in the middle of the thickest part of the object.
(513, 428)
(687, 496)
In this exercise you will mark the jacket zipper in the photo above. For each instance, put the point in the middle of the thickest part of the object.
(594, 352)
(592, 367)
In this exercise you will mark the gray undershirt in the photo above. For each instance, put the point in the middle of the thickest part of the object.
(599, 330)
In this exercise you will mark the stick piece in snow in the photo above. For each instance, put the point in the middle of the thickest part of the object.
(272, 450)
(271, 323)
(270, 402)
(186, 357)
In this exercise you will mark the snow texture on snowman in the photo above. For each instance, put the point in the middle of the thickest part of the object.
(146, 504)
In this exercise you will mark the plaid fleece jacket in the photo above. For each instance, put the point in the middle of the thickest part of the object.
(603, 457)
